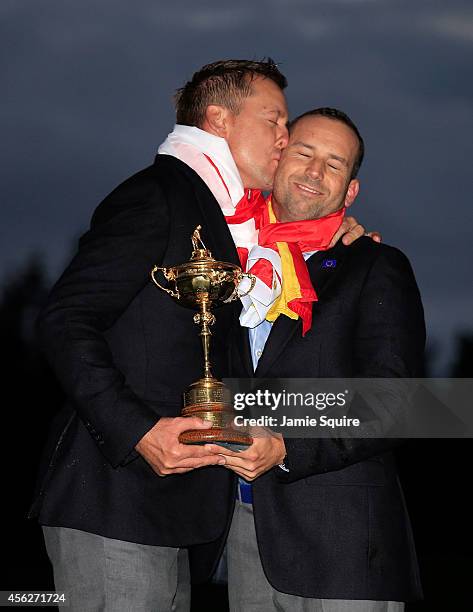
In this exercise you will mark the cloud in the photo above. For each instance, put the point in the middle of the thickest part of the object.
(310, 29)
(457, 26)
(208, 20)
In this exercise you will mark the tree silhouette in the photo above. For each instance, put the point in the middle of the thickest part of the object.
(463, 363)
(31, 396)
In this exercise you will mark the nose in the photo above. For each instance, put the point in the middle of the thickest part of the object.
(282, 137)
(315, 169)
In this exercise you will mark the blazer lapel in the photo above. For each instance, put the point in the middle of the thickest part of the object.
(216, 235)
(215, 231)
(323, 267)
(282, 331)
(244, 350)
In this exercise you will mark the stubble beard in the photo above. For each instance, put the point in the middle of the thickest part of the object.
(298, 212)
(289, 204)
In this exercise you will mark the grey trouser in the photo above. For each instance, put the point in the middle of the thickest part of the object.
(101, 574)
(250, 591)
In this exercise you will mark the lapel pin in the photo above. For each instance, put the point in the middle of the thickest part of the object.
(329, 263)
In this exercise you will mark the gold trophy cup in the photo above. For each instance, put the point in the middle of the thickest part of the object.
(202, 284)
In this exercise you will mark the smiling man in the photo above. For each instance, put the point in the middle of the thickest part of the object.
(327, 529)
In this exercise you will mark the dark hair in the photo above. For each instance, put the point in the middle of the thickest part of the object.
(226, 82)
(337, 115)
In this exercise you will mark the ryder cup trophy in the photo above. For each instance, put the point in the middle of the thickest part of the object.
(202, 284)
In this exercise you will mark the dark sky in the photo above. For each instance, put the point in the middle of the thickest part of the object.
(87, 98)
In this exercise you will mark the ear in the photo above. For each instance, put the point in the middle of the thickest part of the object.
(352, 192)
(217, 120)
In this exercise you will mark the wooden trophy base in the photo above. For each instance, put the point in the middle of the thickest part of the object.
(227, 438)
(221, 416)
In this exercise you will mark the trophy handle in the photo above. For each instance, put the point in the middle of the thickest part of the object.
(252, 278)
(174, 294)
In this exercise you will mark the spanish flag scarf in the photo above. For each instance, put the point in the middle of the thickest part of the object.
(289, 240)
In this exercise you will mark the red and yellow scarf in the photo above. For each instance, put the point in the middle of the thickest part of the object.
(290, 240)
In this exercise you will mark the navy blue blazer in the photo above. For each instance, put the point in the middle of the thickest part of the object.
(335, 525)
(124, 352)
